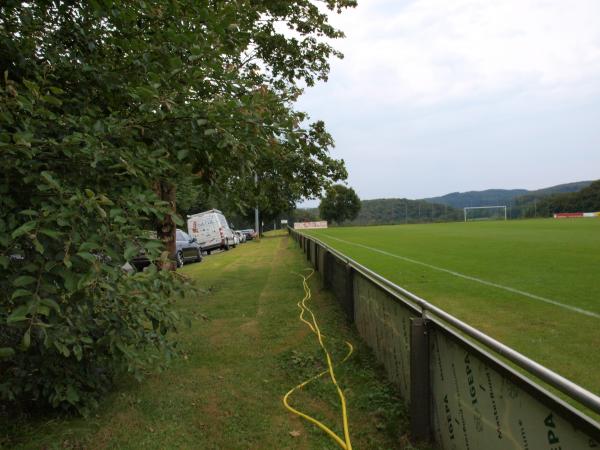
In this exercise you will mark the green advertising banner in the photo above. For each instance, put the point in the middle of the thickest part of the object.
(476, 406)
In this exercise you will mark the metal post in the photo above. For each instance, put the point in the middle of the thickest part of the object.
(256, 227)
(349, 303)
(325, 268)
(420, 396)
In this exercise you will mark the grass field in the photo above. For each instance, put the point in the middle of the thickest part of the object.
(532, 284)
(245, 349)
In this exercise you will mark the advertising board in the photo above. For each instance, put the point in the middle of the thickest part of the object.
(477, 407)
(310, 225)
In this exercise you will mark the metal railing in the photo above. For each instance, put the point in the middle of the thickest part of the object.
(460, 391)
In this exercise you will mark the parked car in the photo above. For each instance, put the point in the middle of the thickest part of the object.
(188, 248)
(211, 230)
(249, 233)
(241, 236)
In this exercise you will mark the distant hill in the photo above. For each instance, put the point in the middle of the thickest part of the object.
(493, 197)
(522, 203)
(585, 200)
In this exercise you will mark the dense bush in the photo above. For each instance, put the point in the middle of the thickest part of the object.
(72, 214)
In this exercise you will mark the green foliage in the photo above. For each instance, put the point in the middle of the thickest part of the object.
(586, 200)
(401, 210)
(101, 104)
(341, 203)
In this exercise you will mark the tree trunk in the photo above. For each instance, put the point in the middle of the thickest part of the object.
(165, 228)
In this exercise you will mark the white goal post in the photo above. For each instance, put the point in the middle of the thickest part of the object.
(469, 208)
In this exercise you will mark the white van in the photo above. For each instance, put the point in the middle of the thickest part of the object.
(211, 230)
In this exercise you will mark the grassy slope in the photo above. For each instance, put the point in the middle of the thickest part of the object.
(559, 260)
(239, 359)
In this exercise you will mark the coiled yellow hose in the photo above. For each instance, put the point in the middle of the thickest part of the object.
(344, 443)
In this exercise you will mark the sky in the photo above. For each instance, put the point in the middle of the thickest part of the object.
(438, 96)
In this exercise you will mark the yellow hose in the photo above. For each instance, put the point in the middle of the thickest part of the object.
(314, 327)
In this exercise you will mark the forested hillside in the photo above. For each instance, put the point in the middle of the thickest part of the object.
(493, 197)
(586, 200)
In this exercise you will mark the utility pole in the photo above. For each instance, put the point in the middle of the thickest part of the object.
(405, 210)
(256, 227)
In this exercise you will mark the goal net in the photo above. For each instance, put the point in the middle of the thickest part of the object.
(485, 213)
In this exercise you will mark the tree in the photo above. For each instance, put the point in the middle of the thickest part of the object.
(585, 200)
(106, 108)
(341, 203)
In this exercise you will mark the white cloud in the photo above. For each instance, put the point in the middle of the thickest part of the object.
(426, 52)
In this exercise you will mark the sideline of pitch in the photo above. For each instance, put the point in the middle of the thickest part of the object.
(468, 277)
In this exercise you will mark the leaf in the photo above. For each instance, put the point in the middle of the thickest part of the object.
(50, 180)
(43, 310)
(114, 212)
(18, 315)
(52, 100)
(32, 86)
(23, 138)
(38, 246)
(87, 246)
(20, 293)
(131, 250)
(26, 342)
(62, 348)
(181, 154)
(77, 352)
(29, 212)
(23, 280)
(50, 233)
(6, 352)
(25, 228)
(50, 303)
(72, 395)
(87, 256)
(178, 220)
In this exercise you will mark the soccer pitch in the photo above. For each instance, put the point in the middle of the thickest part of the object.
(532, 284)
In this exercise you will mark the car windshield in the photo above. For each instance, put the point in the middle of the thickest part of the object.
(182, 236)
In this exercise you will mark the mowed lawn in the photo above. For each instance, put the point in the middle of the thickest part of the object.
(245, 348)
(558, 260)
